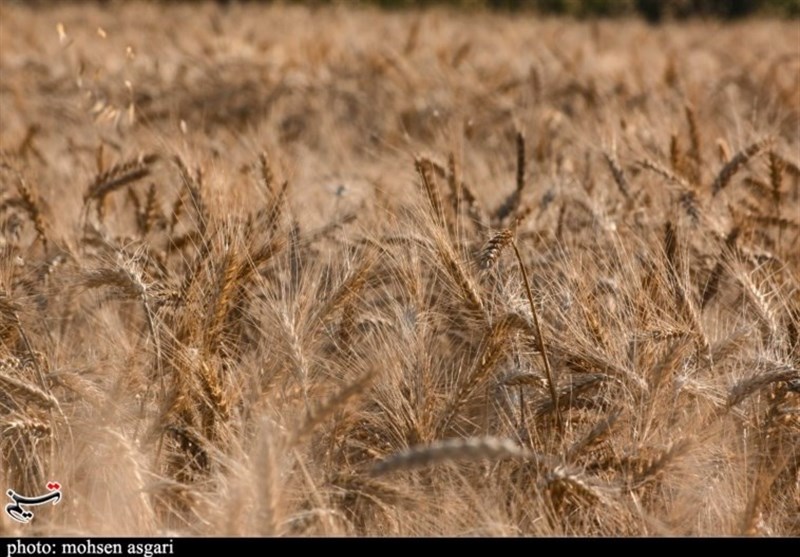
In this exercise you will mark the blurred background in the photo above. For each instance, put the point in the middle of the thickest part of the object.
(651, 10)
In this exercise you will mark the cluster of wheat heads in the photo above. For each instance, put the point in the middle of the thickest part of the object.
(398, 274)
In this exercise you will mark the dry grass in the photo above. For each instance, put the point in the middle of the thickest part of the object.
(254, 276)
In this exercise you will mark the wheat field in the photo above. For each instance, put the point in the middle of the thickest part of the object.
(277, 270)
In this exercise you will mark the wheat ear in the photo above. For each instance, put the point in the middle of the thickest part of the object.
(475, 448)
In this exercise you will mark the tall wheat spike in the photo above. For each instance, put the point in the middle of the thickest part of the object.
(618, 174)
(30, 203)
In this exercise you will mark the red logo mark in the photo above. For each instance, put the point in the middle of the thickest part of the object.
(52, 486)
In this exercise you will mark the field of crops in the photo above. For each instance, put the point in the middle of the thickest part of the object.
(287, 270)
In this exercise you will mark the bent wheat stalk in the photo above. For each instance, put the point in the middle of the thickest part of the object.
(539, 337)
(489, 255)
